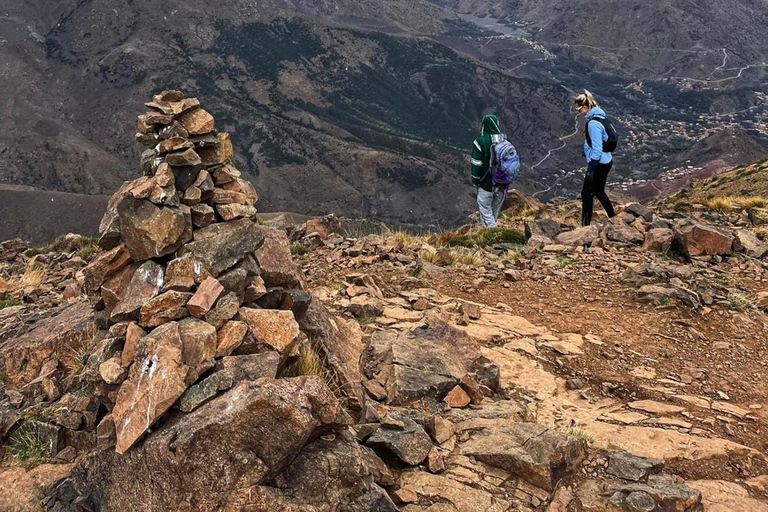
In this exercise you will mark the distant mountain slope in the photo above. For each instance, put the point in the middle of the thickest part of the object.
(647, 39)
(325, 117)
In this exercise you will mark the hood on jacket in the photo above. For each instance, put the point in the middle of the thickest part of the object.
(595, 112)
(490, 125)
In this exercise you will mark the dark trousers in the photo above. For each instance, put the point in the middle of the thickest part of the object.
(594, 187)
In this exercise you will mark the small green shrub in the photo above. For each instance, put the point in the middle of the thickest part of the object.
(366, 320)
(27, 448)
(299, 249)
(90, 247)
(582, 434)
(563, 261)
(487, 237)
(740, 302)
(8, 303)
(29, 253)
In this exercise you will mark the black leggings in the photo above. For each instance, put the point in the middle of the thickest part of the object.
(595, 188)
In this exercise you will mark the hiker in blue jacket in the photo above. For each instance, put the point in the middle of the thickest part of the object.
(599, 162)
(490, 198)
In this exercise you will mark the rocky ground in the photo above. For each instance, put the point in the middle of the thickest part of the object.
(187, 361)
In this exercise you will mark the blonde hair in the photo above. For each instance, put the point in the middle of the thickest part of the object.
(585, 99)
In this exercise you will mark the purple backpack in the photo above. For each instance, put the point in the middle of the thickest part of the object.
(505, 162)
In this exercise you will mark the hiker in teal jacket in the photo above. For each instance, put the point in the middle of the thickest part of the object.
(490, 199)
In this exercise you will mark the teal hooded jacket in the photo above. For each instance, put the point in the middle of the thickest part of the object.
(481, 153)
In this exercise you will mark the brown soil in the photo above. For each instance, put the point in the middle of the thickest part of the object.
(674, 342)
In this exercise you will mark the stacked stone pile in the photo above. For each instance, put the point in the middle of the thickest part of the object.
(190, 287)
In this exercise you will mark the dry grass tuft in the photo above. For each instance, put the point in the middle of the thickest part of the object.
(463, 256)
(33, 277)
(77, 349)
(313, 363)
(725, 204)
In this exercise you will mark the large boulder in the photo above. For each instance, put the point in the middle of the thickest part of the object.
(329, 475)
(749, 244)
(215, 457)
(275, 261)
(55, 338)
(549, 228)
(340, 343)
(537, 454)
(622, 233)
(410, 442)
(150, 231)
(586, 235)
(426, 362)
(693, 238)
(221, 246)
(658, 240)
(156, 380)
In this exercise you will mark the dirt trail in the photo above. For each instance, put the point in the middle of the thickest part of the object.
(663, 382)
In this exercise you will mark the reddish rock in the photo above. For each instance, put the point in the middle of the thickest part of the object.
(221, 246)
(235, 211)
(435, 461)
(72, 292)
(155, 382)
(255, 290)
(22, 357)
(183, 158)
(146, 122)
(106, 436)
(112, 371)
(184, 273)
(274, 328)
(658, 240)
(24, 490)
(214, 456)
(172, 144)
(275, 260)
(222, 197)
(150, 231)
(197, 122)
(226, 174)
(103, 267)
(164, 176)
(132, 336)
(198, 339)
(202, 215)
(192, 196)
(145, 284)
(230, 336)
(457, 398)
(539, 455)
(426, 362)
(695, 239)
(114, 289)
(251, 366)
(439, 428)
(205, 297)
(218, 153)
(472, 388)
(341, 344)
(164, 308)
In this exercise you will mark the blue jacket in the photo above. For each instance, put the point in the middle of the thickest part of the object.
(598, 135)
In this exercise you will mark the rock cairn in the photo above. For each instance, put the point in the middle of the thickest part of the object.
(187, 278)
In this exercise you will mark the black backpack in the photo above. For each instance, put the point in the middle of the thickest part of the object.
(609, 146)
